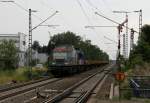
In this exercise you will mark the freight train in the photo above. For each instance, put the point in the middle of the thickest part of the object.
(66, 60)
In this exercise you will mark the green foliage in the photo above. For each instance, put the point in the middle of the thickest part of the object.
(92, 52)
(21, 74)
(41, 49)
(8, 54)
(9, 75)
(126, 95)
(36, 45)
(140, 53)
(66, 38)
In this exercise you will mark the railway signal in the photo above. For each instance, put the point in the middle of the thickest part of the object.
(132, 39)
(126, 36)
(120, 76)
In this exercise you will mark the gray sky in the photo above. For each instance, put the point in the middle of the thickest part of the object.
(73, 16)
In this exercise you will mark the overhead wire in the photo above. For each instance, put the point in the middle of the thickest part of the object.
(93, 6)
(86, 16)
(60, 14)
(45, 20)
(49, 8)
(21, 7)
(90, 4)
(83, 11)
(110, 39)
(90, 23)
(113, 21)
(88, 1)
(102, 15)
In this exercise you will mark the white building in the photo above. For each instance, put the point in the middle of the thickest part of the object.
(38, 57)
(42, 57)
(20, 42)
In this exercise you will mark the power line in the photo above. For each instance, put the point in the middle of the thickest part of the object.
(45, 20)
(62, 17)
(21, 7)
(110, 39)
(89, 2)
(99, 26)
(83, 11)
(113, 21)
(86, 16)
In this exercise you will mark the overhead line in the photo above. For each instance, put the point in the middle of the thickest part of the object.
(86, 16)
(110, 39)
(98, 26)
(27, 10)
(114, 21)
(83, 11)
(107, 18)
(88, 19)
(45, 20)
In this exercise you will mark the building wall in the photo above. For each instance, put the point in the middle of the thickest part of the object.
(20, 42)
(39, 57)
(42, 57)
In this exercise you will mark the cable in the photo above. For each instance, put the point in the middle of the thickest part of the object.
(83, 11)
(98, 10)
(87, 16)
(110, 39)
(18, 5)
(45, 20)
(89, 2)
(113, 21)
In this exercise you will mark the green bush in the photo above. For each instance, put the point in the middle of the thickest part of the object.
(126, 95)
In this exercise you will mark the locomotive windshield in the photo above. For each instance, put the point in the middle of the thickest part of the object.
(64, 55)
(59, 55)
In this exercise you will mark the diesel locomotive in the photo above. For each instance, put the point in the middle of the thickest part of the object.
(66, 60)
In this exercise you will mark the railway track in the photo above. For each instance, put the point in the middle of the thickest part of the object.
(29, 93)
(22, 88)
(7, 87)
(77, 93)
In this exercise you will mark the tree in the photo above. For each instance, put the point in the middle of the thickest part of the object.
(40, 49)
(141, 51)
(143, 46)
(36, 46)
(66, 38)
(50, 47)
(8, 54)
(91, 52)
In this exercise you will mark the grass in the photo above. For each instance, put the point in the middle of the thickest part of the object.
(20, 74)
(137, 70)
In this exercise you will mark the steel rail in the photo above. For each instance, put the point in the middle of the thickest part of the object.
(25, 89)
(89, 92)
(10, 87)
(68, 91)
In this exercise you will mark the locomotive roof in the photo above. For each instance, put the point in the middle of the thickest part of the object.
(64, 48)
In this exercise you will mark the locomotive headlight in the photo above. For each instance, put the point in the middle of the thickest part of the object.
(66, 63)
(53, 63)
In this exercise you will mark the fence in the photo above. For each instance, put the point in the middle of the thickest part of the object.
(138, 86)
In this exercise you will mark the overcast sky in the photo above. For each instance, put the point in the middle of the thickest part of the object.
(73, 15)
